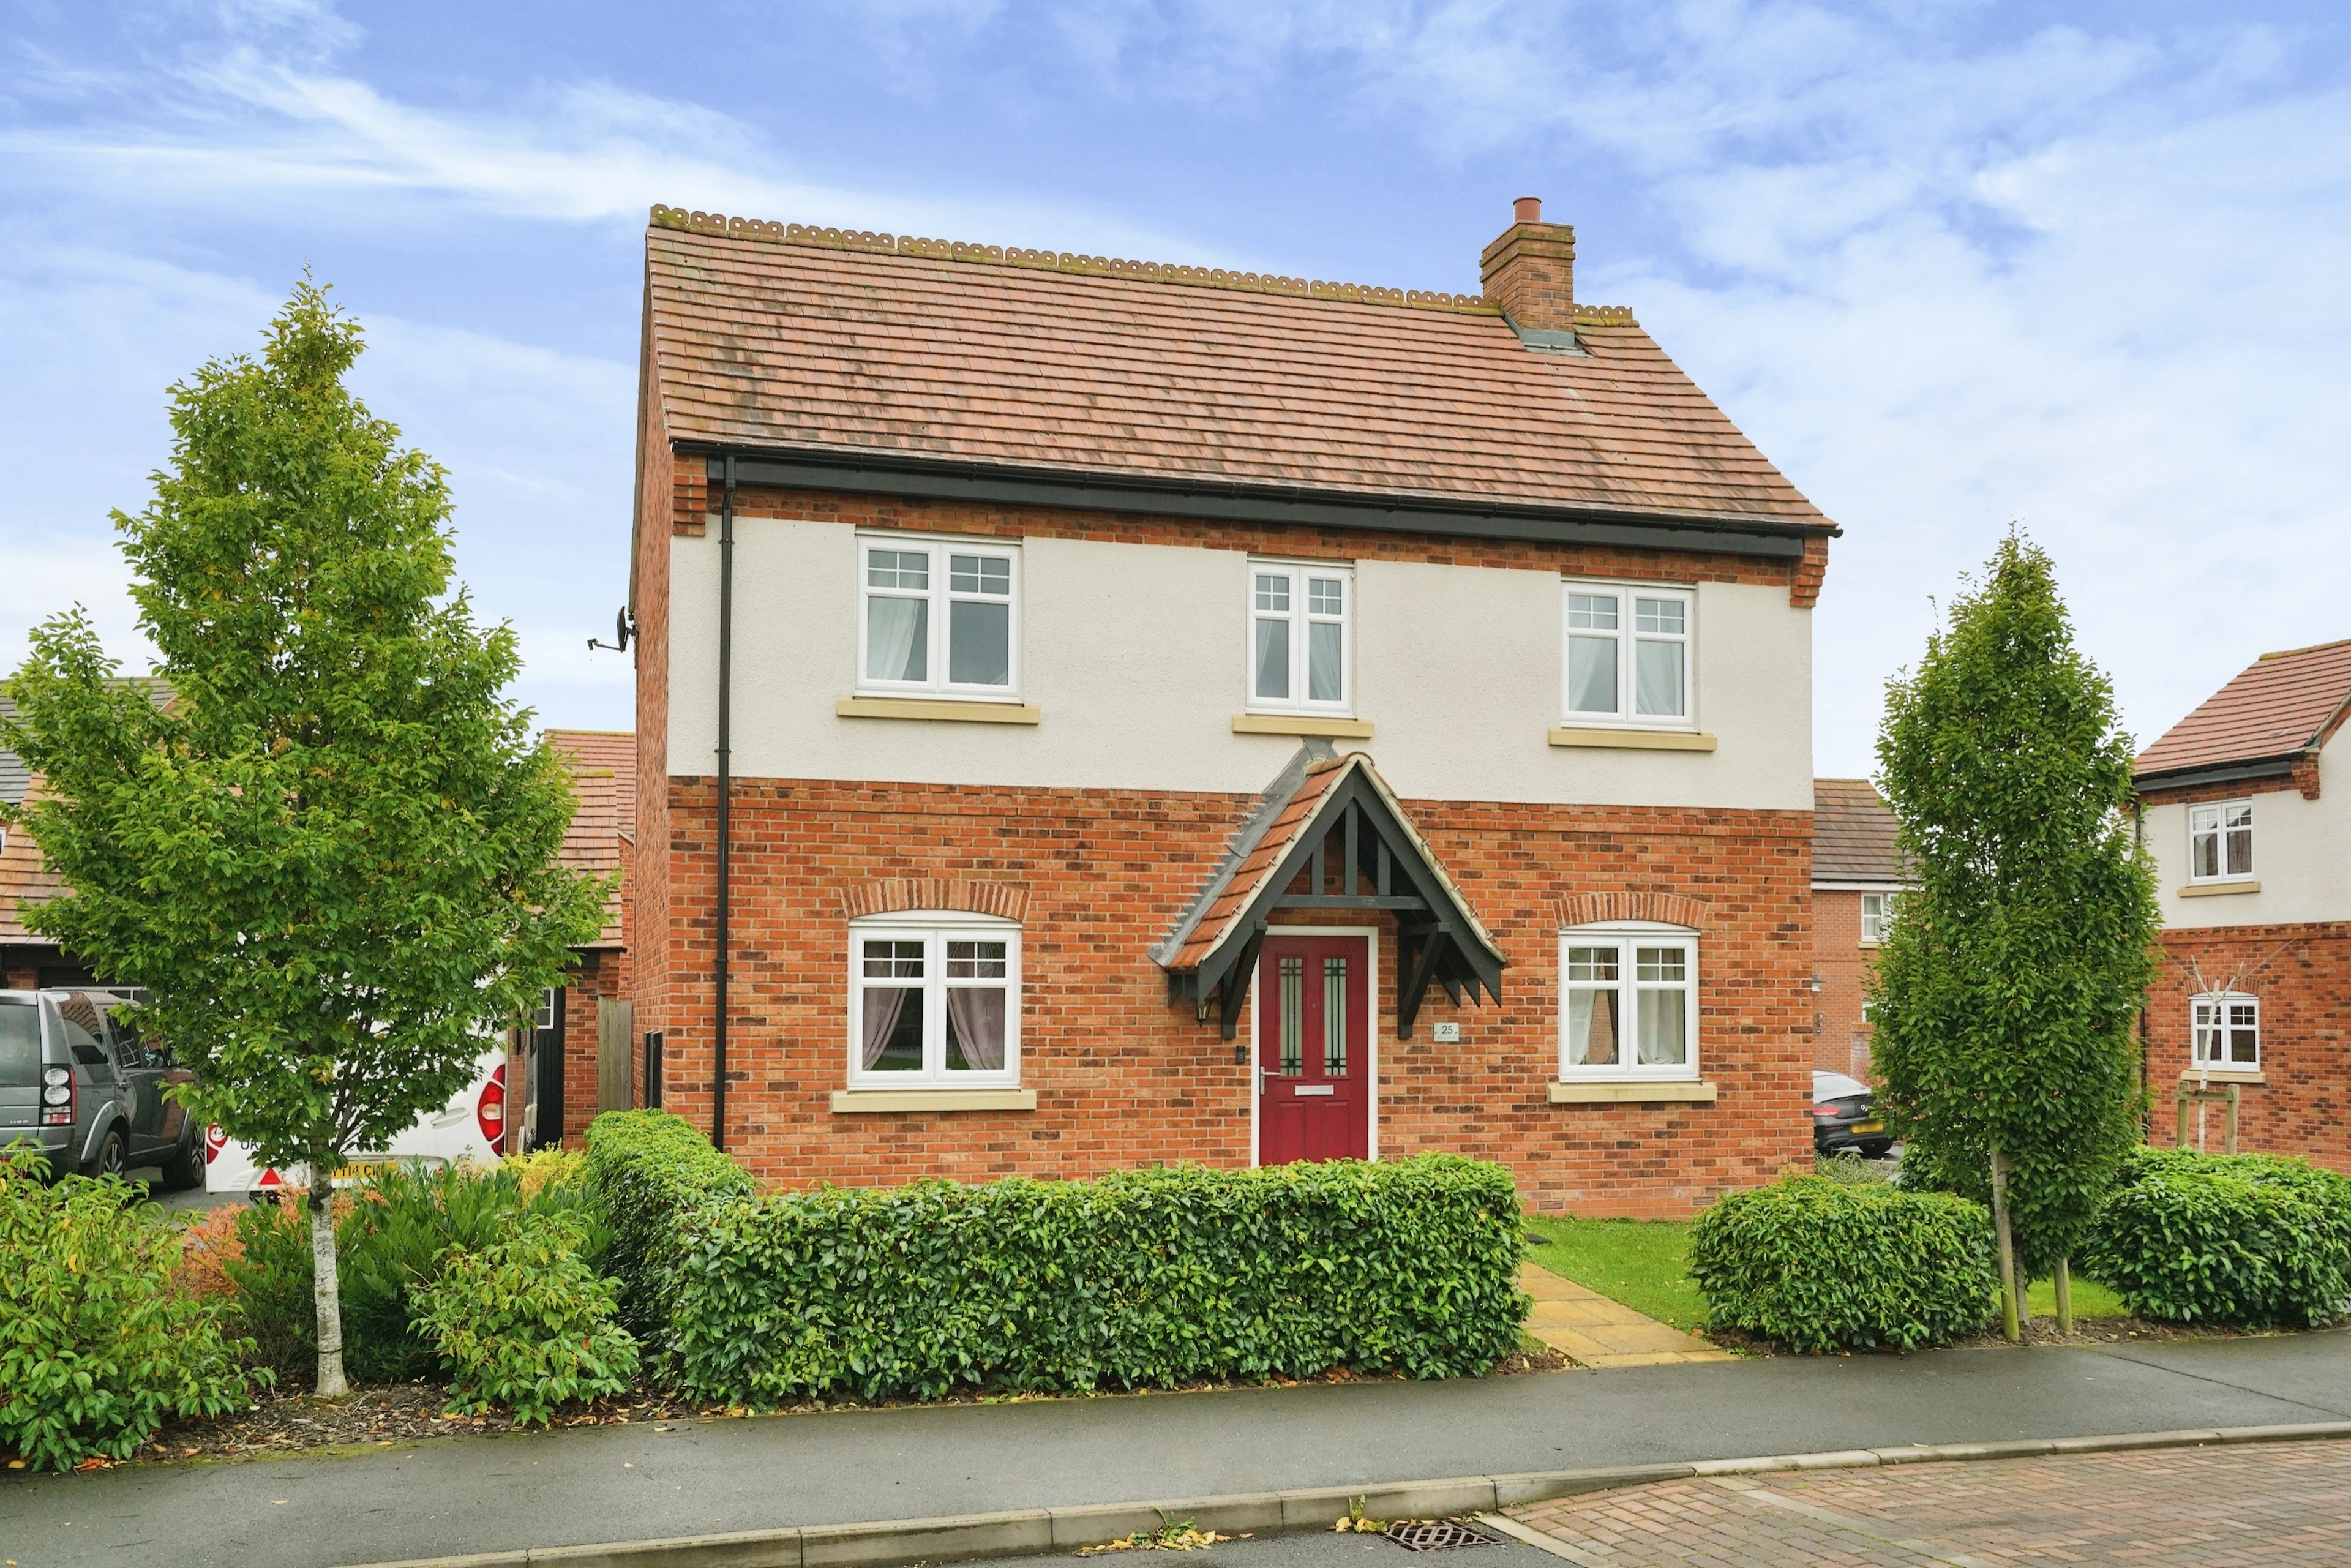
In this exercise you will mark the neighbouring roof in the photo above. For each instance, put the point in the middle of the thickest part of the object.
(2280, 708)
(604, 819)
(15, 777)
(24, 880)
(1852, 834)
(807, 340)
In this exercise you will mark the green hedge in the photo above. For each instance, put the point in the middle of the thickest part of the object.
(2244, 1239)
(1820, 1264)
(646, 1169)
(1139, 1278)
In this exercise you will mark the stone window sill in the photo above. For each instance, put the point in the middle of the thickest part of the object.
(1301, 723)
(2223, 1076)
(852, 1102)
(2214, 889)
(1632, 739)
(937, 708)
(1631, 1091)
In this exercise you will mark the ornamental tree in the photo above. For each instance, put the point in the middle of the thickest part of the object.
(332, 856)
(2007, 987)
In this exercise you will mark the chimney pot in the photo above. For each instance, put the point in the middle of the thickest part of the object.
(1529, 271)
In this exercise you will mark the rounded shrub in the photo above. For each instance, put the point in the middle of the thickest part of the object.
(1819, 1264)
(2255, 1240)
(646, 1170)
(525, 1324)
(97, 1346)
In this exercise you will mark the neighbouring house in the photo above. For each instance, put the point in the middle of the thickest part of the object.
(1856, 880)
(1096, 713)
(571, 1059)
(2245, 805)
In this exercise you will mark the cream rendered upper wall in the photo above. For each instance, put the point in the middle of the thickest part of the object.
(1135, 656)
(2301, 856)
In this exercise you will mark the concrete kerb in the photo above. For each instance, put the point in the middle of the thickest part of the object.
(892, 1543)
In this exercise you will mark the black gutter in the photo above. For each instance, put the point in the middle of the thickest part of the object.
(726, 786)
(859, 473)
(2219, 773)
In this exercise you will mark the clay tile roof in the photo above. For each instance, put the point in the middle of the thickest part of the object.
(1852, 834)
(2283, 705)
(813, 340)
(1260, 863)
(604, 780)
(24, 880)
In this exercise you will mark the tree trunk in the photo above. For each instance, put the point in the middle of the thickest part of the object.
(326, 1287)
(2065, 1283)
(2012, 1306)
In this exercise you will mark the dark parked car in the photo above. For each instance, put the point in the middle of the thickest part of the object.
(1844, 1116)
(82, 1087)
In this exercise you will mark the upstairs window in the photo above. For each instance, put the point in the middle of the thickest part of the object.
(1631, 1003)
(2221, 841)
(935, 1001)
(938, 617)
(2228, 1031)
(1628, 655)
(1877, 913)
(1300, 643)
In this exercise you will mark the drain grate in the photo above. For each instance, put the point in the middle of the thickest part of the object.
(1434, 1534)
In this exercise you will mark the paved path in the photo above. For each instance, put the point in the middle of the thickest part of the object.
(2258, 1508)
(619, 1483)
(1582, 1324)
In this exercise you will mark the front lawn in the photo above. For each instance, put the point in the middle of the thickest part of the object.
(1644, 1264)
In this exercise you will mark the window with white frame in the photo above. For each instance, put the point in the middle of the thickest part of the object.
(1628, 655)
(938, 617)
(935, 1000)
(2228, 1031)
(1877, 914)
(1300, 642)
(1629, 1002)
(2221, 841)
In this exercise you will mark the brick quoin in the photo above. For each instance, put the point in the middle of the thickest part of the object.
(1124, 1079)
(2302, 974)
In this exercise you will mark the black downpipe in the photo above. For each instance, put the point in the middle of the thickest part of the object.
(725, 787)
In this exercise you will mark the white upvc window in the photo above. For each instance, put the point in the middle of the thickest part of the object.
(2221, 841)
(934, 1001)
(1629, 1002)
(2228, 1029)
(1877, 913)
(938, 617)
(1302, 623)
(1628, 658)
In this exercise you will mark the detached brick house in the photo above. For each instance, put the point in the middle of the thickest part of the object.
(2246, 807)
(1095, 712)
(1856, 879)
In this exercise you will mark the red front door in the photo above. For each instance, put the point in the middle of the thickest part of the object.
(1313, 1044)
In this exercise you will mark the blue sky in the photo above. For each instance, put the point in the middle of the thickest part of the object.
(1951, 265)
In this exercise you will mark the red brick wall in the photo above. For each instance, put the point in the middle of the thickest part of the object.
(647, 889)
(2303, 975)
(1123, 1079)
(1841, 1036)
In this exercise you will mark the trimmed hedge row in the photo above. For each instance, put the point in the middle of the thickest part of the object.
(646, 1170)
(1820, 1264)
(2244, 1238)
(1137, 1277)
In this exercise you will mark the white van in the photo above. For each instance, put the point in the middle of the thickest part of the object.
(472, 1126)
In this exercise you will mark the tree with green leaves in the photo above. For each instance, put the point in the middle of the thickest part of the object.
(2008, 985)
(332, 857)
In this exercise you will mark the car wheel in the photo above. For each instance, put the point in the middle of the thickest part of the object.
(113, 1155)
(185, 1168)
(1876, 1150)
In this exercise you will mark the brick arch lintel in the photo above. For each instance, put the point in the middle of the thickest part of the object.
(1605, 908)
(891, 895)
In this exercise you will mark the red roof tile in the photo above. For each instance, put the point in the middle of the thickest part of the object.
(2280, 707)
(1853, 832)
(784, 341)
(604, 781)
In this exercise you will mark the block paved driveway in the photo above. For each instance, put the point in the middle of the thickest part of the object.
(2259, 1506)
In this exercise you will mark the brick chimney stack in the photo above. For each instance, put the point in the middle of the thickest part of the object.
(1529, 271)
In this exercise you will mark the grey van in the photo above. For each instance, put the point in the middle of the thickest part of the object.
(85, 1090)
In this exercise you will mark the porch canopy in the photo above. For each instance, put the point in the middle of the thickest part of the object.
(1329, 836)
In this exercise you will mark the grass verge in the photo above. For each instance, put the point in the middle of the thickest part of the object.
(1643, 1263)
